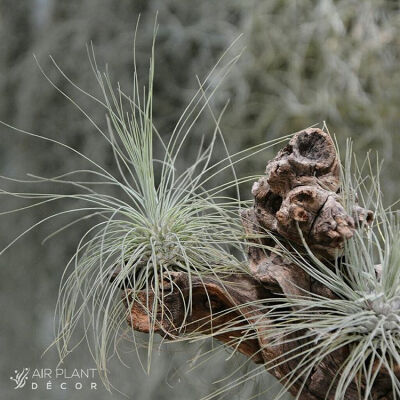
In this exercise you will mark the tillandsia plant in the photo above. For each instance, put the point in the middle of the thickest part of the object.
(162, 221)
(356, 320)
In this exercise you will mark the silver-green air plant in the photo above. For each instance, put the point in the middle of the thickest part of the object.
(364, 314)
(161, 221)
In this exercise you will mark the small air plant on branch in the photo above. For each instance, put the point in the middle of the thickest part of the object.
(358, 323)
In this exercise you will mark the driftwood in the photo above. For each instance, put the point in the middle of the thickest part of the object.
(299, 189)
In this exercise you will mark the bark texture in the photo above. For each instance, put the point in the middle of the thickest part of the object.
(299, 191)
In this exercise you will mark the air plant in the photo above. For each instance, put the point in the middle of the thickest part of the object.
(363, 313)
(162, 220)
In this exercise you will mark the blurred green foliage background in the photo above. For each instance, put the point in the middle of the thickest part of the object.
(304, 62)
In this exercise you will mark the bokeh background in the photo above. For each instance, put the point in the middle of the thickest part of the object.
(304, 62)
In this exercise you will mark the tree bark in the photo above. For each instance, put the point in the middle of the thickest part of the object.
(299, 189)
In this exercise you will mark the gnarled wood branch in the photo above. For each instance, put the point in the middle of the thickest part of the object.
(299, 189)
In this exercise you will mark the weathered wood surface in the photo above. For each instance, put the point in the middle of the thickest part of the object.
(300, 188)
